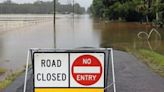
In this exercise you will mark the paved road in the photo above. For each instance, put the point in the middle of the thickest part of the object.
(131, 76)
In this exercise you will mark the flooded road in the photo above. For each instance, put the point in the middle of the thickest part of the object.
(80, 31)
(84, 31)
(76, 32)
(15, 44)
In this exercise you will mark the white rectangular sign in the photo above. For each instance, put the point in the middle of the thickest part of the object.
(86, 69)
(51, 69)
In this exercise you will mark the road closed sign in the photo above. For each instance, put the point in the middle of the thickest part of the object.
(51, 69)
(69, 71)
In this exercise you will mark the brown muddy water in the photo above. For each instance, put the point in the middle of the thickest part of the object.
(18, 33)
(80, 31)
(84, 31)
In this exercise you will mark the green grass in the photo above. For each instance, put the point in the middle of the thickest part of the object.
(2, 71)
(153, 59)
(9, 80)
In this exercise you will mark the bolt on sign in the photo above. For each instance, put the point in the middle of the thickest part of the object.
(70, 70)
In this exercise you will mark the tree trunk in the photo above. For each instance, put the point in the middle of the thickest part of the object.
(147, 19)
(157, 16)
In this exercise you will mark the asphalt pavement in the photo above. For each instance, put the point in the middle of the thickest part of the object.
(134, 76)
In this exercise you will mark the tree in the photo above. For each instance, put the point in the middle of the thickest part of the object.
(98, 8)
(129, 10)
(78, 9)
(144, 7)
(8, 2)
(38, 7)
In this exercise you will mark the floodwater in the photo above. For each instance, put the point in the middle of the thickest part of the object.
(84, 31)
(30, 31)
(75, 32)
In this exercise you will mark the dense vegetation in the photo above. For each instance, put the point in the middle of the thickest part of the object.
(39, 7)
(129, 10)
(69, 8)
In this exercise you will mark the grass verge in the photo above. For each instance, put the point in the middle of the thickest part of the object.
(8, 80)
(2, 71)
(153, 59)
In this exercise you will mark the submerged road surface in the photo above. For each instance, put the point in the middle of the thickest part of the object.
(14, 44)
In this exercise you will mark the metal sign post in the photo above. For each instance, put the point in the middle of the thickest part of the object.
(83, 70)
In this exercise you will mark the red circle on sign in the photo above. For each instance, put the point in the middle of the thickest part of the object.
(86, 70)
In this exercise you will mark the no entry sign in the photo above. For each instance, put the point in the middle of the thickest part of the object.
(70, 71)
(87, 69)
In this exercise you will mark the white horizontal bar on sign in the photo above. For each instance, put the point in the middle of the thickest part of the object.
(86, 69)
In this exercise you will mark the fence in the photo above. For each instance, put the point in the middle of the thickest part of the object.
(10, 22)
